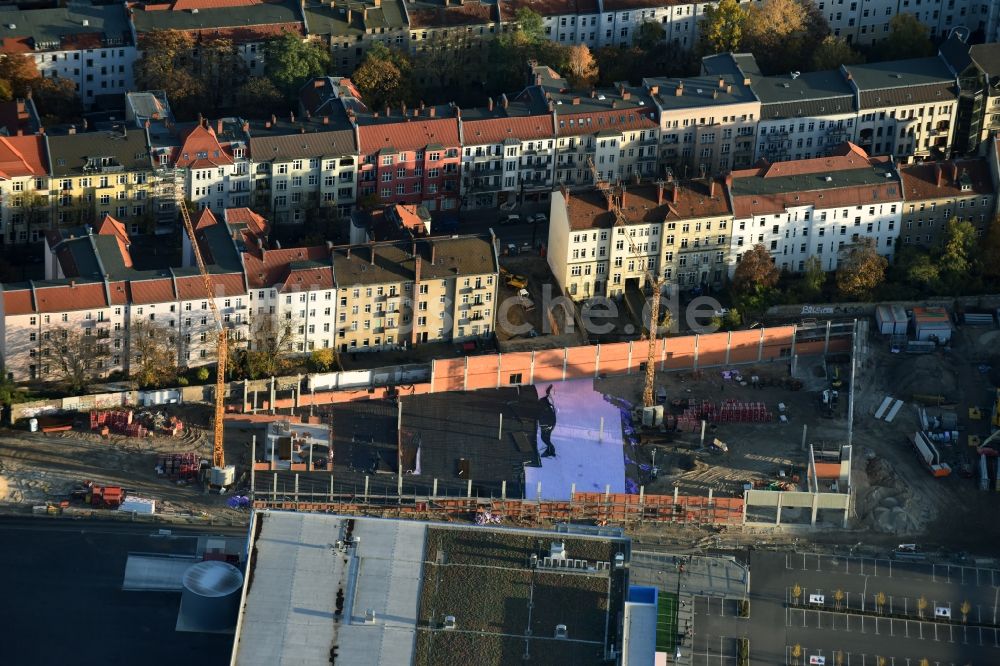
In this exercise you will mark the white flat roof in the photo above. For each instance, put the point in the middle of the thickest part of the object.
(639, 638)
(289, 615)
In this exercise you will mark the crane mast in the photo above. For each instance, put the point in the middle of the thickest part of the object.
(222, 346)
(614, 205)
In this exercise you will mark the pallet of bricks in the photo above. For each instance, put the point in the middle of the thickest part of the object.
(117, 421)
(179, 466)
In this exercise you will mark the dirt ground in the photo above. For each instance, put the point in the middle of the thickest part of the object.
(37, 467)
(540, 283)
(895, 492)
(757, 451)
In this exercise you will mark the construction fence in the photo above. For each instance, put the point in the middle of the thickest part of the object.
(593, 508)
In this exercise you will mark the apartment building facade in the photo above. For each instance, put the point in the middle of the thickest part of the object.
(212, 161)
(412, 157)
(303, 164)
(935, 193)
(816, 208)
(89, 44)
(508, 154)
(24, 189)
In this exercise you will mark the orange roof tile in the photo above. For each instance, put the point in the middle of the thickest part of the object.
(187, 5)
(69, 297)
(620, 120)
(254, 222)
(119, 292)
(17, 302)
(159, 290)
(109, 226)
(201, 150)
(205, 219)
(22, 156)
(302, 279)
(920, 181)
(271, 269)
(411, 134)
(496, 130)
(192, 288)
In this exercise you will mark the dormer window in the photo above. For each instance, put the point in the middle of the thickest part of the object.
(203, 155)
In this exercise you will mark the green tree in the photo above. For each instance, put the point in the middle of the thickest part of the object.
(908, 38)
(732, 319)
(11, 393)
(530, 25)
(990, 250)
(722, 27)
(833, 52)
(259, 98)
(291, 61)
(958, 248)
(57, 101)
(383, 77)
(153, 354)
(862, 270)
(202, 375)
(649, 36)
(323, 360)
(813, 278)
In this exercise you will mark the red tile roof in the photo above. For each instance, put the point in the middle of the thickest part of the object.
(846, 156)
(17, 302)
(302, 279)
(119, 293)
(205, 219)
(192, 288)
(920, 181)
(159, 290)
(273, 267)
(72, 296)
(187, 5)
(411, 134)
(550, 7)
(201, 140)
(109, 226)
(257, 224)
(621, 120)
(469, 13)
(695, 199)
(22, 156)
(496, 130)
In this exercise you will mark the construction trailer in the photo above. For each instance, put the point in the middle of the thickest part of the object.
(891, 319)
(932, 324)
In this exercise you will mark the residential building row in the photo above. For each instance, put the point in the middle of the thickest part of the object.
(372, 296)
(693, 232)
(336, 152)
(95, 44)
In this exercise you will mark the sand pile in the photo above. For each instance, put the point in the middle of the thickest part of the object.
(927, 373)
(887, 504)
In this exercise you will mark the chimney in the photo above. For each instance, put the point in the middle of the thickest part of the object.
(403, 107)
(416, 266)
(715, 94)
(245, 127)
(489, 104)
(722, 83)
(388, 110)
(372, 258)
(675, 196)
(416, 112)
(433, 252)
(432, 112)
(593, 93)
(729, 179)
(609, 202)
(654, 90)
(458, 112)
(503, 100)
(937, 174)
(348, 251)
(729, 89)
(538, 79)
(659, 194)
(291, 116)
(326, 120)
(552, 106)
(201, 119)
(267, 125)
(679, 90)
(218, 126)
(711, 187)
(319, 83)
(309, 114)
(274, 119)
(626, 95)
(954, 171)
(565, 192)
(576, 101)
(614, 104)
(422, 105)
(71, 130)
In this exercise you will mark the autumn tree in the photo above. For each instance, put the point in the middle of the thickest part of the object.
(57, 101)
(908, 38)
(270, 339)
(323, 360)
(772, 21)
(153, 351)
(722, 27)
(383, 77)
(833, 52)
(290, 62)
(649, 36)
(755, 271)
(222, 71)
(19, 74)
(862, 270)
(165, 64)
(958, 247)
(74, 355)
(582, 69)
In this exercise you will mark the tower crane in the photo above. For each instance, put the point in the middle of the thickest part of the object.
(221, 474)
(613, 196)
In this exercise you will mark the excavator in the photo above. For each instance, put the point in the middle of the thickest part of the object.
(222, 475)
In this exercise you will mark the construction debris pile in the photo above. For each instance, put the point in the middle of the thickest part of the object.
(134, 424)
(729, 411)
(179, 466)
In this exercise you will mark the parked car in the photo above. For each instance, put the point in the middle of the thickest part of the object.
(513, 218)
(538, 218)
(508, 205)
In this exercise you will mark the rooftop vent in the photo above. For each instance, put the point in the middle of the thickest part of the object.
(12, 26)
(619, 560)
(601, 97)
(557, 550)
(786, 85)
(369, 616)
(449, 621)
(828, 179)
(796, 75)
(86, 22)
(561, 631)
